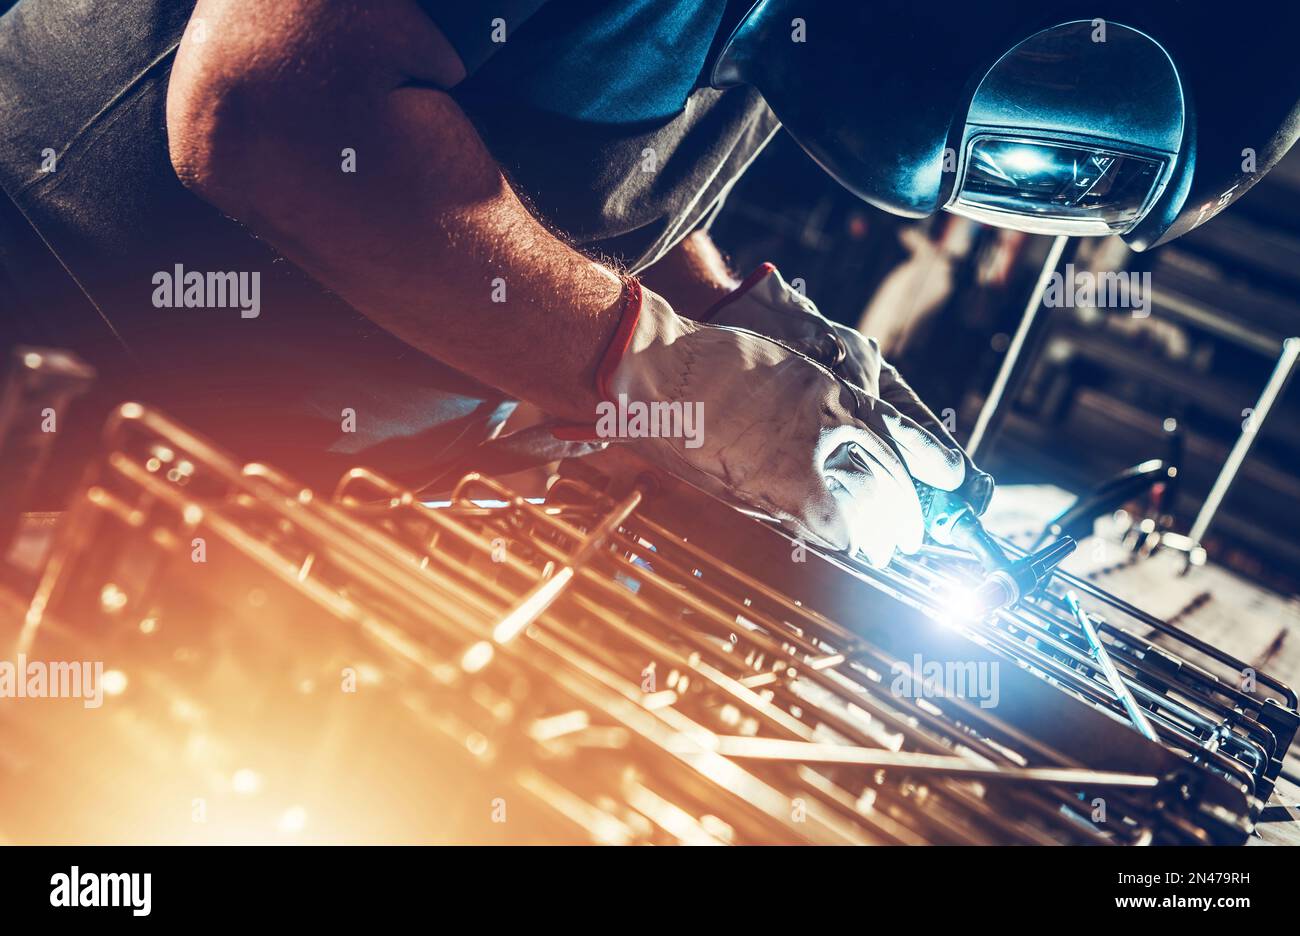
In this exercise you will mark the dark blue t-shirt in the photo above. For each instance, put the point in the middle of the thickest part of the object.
(602, 116)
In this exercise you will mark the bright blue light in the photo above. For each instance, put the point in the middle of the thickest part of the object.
(1026, 160)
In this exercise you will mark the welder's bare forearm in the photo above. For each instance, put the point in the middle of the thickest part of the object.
(692, 276)
(425, 237)
(438, 250)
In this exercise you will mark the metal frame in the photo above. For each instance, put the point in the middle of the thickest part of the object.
(988, 422)
(1250, 428)
(621, 675)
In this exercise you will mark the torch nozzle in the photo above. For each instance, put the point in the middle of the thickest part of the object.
(951, 521)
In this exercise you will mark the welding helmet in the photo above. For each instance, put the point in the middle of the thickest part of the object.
(1142, 119)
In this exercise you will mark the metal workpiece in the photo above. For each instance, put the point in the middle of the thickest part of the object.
(1188, 692)
(625, 661)
(922, 605)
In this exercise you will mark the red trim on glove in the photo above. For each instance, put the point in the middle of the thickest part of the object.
(629, 314)
(753, 279)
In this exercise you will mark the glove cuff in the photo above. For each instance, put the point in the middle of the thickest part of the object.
(629, 315)
(645, 320)
(762, 272)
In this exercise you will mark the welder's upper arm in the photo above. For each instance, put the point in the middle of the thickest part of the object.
(244, 65)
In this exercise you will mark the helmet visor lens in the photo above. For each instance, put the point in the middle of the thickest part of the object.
(1045, 187)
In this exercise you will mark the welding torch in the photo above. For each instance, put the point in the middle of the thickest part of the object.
(951, 521)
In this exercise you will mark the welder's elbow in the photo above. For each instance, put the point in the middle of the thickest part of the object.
(222, 129)
(202, 138)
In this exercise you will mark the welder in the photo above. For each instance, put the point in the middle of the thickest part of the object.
(511, 202)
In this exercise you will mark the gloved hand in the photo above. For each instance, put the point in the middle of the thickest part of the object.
(781, 434)
(765, 303)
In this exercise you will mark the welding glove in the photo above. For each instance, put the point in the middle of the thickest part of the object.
(775, 431)
(767, 304)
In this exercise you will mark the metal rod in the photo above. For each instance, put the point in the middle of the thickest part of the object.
(1017, 346)
(1249, 429)
(1289, 698)
(807, 752)
(1108, 668)
(543, 595)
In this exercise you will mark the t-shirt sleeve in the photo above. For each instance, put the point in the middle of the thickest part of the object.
(478, 30)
